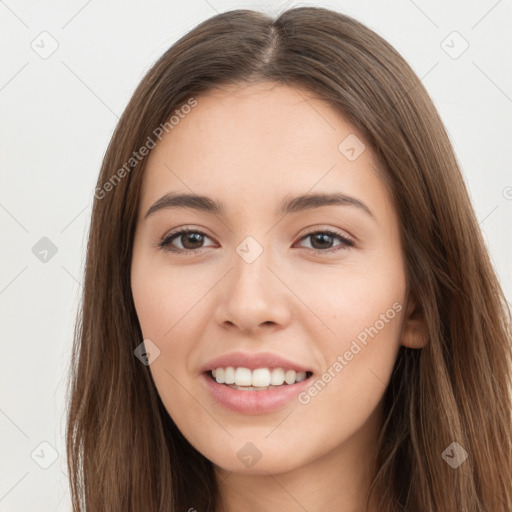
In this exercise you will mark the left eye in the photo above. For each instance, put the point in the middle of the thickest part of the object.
(191, 241)
(325, 237)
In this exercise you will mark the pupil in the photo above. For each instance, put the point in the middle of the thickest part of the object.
(196, 236)
(322, 237)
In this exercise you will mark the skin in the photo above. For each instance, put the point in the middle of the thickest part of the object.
(249, 147)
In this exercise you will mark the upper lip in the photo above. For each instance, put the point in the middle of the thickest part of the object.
(253, 361)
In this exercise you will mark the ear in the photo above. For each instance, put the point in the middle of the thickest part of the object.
(414, 329)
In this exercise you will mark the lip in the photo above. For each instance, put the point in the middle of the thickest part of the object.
(252, 402)
(253, 361)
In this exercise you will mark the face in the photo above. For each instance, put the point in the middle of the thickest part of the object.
(320, 284)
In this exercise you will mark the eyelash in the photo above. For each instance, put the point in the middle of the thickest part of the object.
(164, 243)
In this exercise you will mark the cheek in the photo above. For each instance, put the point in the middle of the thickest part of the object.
(162, 298)
(360, 357)
(168, 306)
(361, 308)
(167, 317)
(349, 300)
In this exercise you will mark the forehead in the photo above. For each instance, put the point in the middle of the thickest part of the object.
(255, 144)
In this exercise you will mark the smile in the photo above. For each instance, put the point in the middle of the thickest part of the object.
(247, 398)
(245, 379)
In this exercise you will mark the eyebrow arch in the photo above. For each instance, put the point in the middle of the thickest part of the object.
(309, 201)
(290, 205)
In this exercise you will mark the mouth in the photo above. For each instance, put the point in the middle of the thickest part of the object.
(258, 396)
(256, 383)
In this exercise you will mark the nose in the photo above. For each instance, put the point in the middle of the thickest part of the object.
(254, 296)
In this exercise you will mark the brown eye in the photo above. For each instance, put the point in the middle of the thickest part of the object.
(321, 241)
(191, 240)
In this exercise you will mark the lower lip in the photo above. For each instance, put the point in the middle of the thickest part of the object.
(253, 402)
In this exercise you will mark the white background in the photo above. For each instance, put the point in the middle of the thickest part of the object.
(58, 115)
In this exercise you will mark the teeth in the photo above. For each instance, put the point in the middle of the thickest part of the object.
(259, 378)
(277, 377)
(289, 377)
(219, 375)
(300, 376)
(229, 375)
(242, 377)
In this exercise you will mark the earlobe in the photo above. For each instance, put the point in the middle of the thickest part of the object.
(414, 330)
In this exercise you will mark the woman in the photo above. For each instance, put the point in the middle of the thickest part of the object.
(288, 304)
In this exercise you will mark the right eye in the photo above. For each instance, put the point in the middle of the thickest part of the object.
(190, 239)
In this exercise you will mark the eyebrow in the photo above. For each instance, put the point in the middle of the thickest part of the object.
(288, 205)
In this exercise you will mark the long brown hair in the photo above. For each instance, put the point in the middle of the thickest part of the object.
(125, 452)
